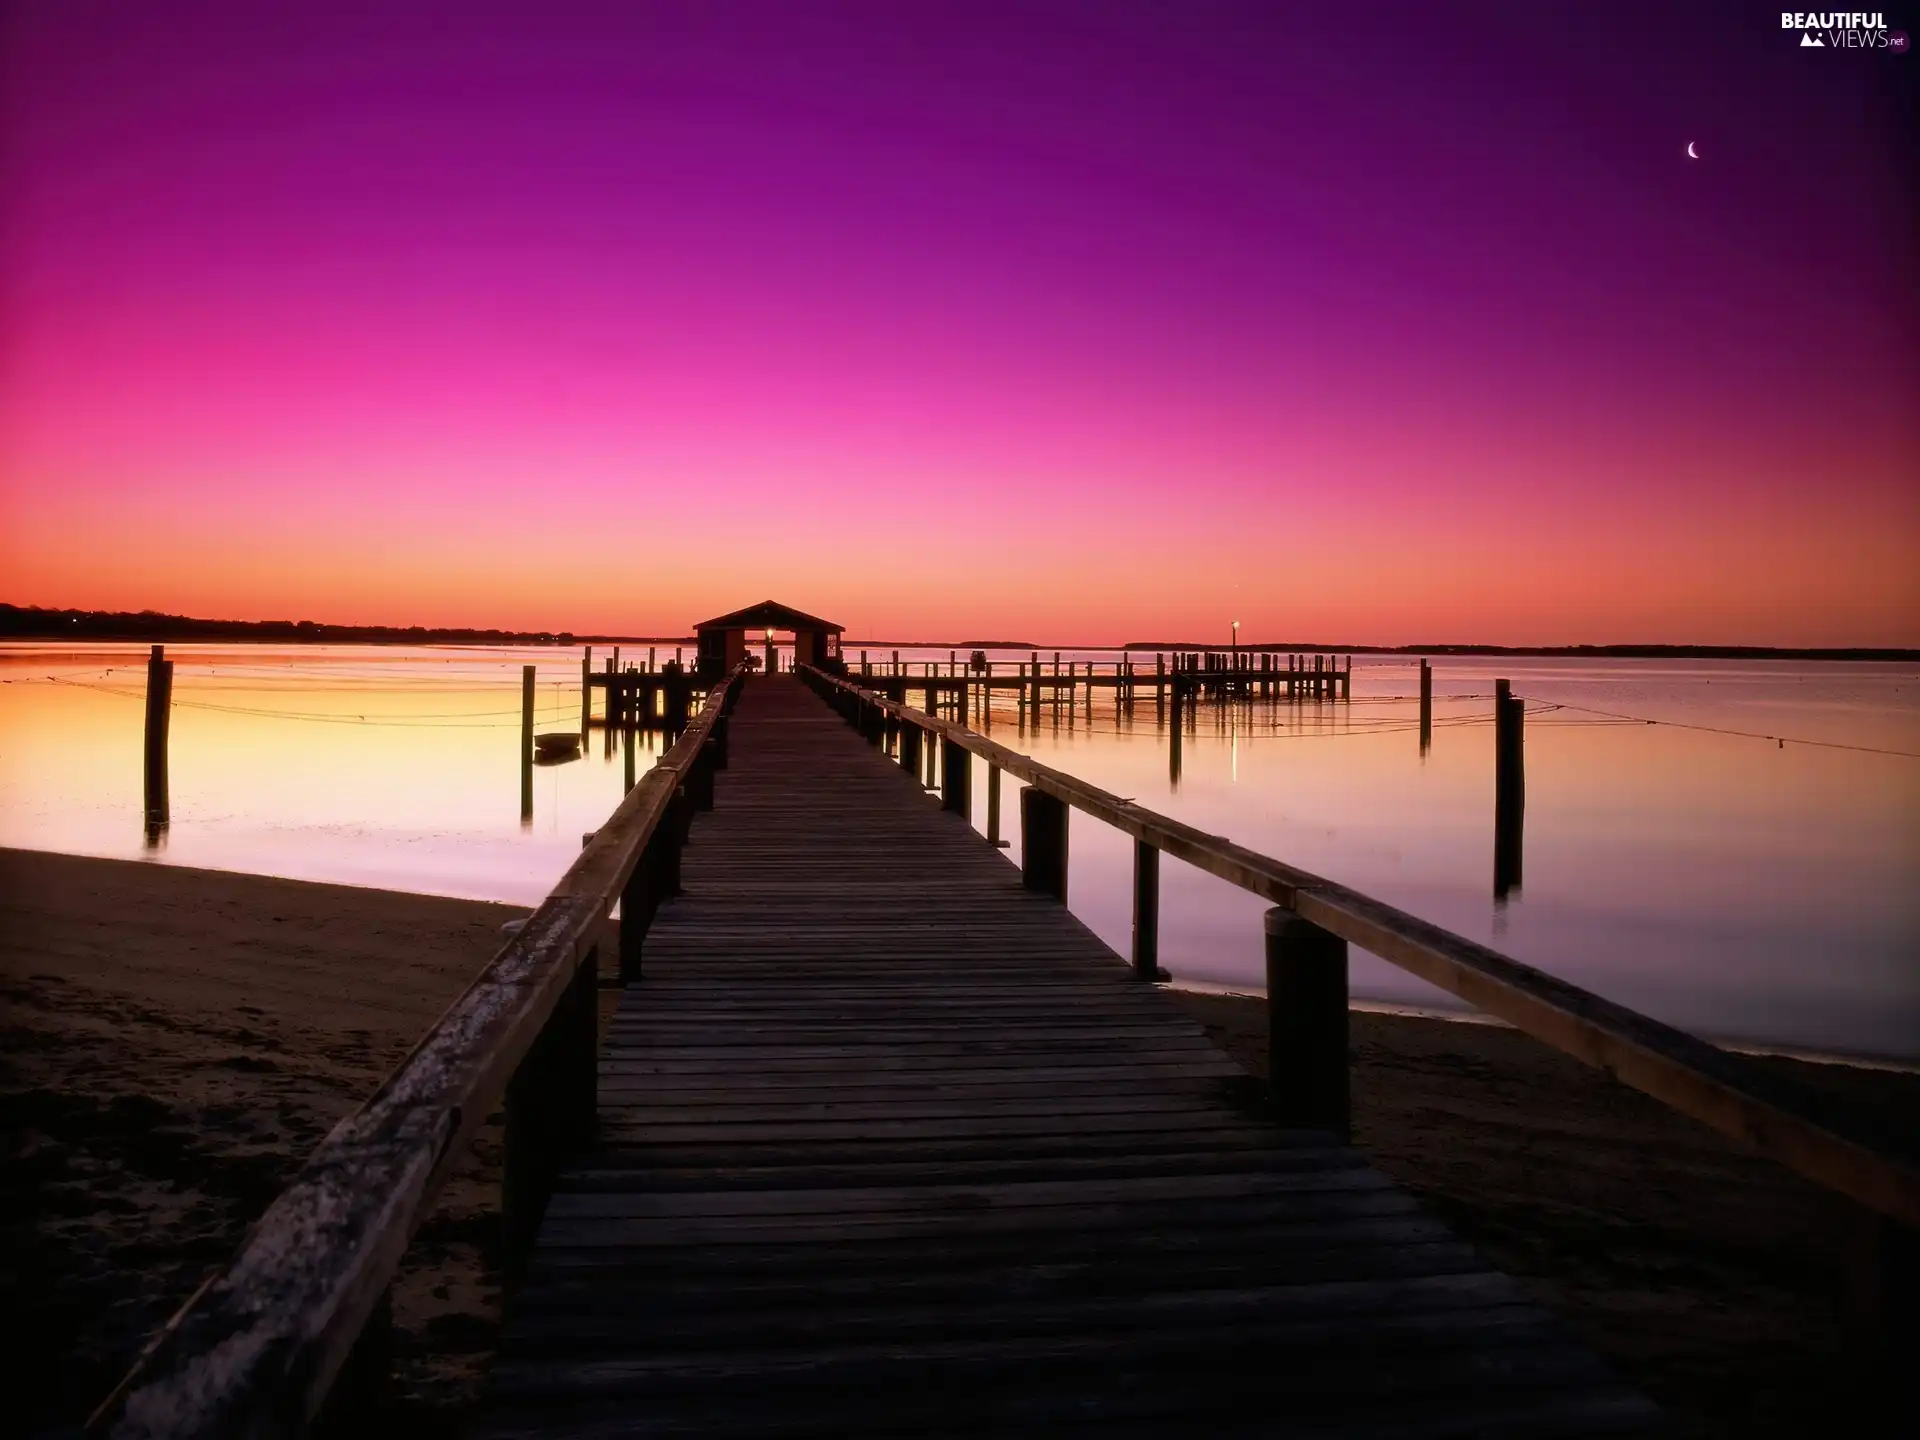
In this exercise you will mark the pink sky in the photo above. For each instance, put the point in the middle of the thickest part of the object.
(1060, 321)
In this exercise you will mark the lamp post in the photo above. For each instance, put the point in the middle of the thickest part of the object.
(1236, 645)
(770, 656)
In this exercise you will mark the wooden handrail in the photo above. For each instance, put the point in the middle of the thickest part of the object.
(1821, 1138)
(256, 1349)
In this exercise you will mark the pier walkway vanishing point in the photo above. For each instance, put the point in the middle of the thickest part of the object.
(889, 1144)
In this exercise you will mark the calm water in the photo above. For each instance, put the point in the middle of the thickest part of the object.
(1742, 889)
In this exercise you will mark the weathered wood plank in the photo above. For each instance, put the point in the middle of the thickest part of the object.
(888, 1145)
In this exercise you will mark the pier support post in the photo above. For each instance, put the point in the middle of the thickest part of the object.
(1509, 788)
(1146, 912)
(550, 1105)
(1307, 1024)
(636, 913)
(719, 740)
(1043, 843)
(700, 778)
(663, 850)
(586, 692)
(956, 779)
(910, 749)
(1174, 737)
(993, 806)
(159, 716)
(526, 742)
(1880, 1303)
(1426, 707)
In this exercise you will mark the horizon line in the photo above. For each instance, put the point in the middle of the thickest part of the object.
(33, 622)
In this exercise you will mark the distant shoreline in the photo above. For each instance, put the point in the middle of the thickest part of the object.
(18, 622)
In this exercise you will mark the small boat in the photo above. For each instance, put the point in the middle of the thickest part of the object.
(556, 745)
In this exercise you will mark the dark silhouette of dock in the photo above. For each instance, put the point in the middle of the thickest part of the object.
(891, 1144)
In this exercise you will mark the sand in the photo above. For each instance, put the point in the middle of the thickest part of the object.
(173, 1042)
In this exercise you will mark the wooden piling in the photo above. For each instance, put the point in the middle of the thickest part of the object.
(956, 779)
(1426, 707)
(526, 742)
(1043, 843)
(1174, 737)
(993, 806)
(1146, 912)
(1307, 1024)
(586, 692)
(910, 749)
(159, 807)
(636, 910)
(1509, 788)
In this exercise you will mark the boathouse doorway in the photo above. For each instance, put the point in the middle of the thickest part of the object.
(723, 640)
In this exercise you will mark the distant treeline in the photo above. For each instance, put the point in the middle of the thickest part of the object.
(26, 622)
(19, 622)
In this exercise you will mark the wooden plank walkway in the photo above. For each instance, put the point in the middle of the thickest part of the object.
(890, 1146)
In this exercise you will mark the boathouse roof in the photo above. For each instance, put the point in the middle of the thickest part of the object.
(769, 615)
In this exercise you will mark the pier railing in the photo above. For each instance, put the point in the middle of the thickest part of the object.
(1306, 961)
(299, 1318)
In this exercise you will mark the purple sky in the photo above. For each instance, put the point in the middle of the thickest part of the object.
(1374, 321)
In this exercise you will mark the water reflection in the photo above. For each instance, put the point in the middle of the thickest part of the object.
(1736, 886)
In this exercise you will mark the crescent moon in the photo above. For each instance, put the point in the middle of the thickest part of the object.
(1692, 154)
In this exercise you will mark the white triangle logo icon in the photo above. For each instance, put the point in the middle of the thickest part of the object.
(1809, 42)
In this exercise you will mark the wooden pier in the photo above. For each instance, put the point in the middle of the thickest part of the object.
(1252, 674)
(891, 1144)
(885, 1142)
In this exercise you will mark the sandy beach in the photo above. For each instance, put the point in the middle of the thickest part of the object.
(175, 1041)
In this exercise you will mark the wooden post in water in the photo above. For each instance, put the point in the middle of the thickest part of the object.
(586, 693)
(1146, 912)
(1173, 738)
(1307, 1024)
(1509, 788)
(993, 806)
(159, 717)
(1043, 843)
(1426, 707)
(526, 742)
(910, 749)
